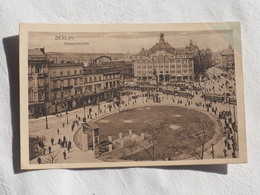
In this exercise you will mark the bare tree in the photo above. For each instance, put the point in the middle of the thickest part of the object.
(52, 157)
(202, 137)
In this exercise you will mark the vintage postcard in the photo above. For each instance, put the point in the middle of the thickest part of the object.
(125, 95)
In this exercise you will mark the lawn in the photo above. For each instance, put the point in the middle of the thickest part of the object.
(178, 131)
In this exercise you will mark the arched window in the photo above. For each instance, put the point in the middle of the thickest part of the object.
(54, 74)
(154, 58)
(166, 59)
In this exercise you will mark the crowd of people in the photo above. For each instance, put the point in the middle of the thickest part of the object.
(47, 148)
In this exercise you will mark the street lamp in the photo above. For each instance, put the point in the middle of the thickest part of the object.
(46, 113)
(84, 109)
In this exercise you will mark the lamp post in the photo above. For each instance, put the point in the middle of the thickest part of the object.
(119, 100)
(46, 118)
(84, 107)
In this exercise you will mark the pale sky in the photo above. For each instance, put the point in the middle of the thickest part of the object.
(122, 42)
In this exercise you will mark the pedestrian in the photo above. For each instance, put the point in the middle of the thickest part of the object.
(225, 152)
(58, 131)
(63, 124)
(44, 151)
(39, 160)
(228, 146)
(69, 144)
(64, 138)
(52, 141)
(234, 154)
(49, 149)
(64, 155)
(59, 141)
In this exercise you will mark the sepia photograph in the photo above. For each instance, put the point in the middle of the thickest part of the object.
(131, 95)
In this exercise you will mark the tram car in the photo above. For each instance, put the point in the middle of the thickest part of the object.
(185, 94)
(214, 97)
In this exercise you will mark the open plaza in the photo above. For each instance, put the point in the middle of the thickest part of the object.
(161, 104)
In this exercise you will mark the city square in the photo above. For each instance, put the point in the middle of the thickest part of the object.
(159, 104)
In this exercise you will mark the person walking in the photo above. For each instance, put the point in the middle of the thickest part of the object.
(72, 126)
(52, 141)
(69, 146)
(59, 141)
(63, 124)
(39, 160)
(64, 155)
(49, 149)
(58, 131)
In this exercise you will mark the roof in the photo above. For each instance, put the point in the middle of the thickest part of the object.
(36, 54)
(91, 124)
(162, 45)
(165, 46)
(228, 51)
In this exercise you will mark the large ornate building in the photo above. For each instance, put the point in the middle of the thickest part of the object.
(166, 63)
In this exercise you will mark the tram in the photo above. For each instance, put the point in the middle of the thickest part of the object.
(214, 97)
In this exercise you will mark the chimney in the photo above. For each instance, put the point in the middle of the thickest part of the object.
(42, 50)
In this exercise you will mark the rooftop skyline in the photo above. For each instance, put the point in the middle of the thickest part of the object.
(132, 42)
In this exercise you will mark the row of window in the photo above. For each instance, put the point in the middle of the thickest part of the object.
(34, 96)
(167, 72)
(79, 91)
(67, 82)
(37, 69)
(99, 78)
(165, 66)
(178, 61)
(160, 57)
(68, 73)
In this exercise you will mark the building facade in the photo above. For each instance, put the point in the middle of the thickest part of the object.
(65, 86)
(37, 82)
(227, 57)
(101, 83)
(59, 86)
(166, 63)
